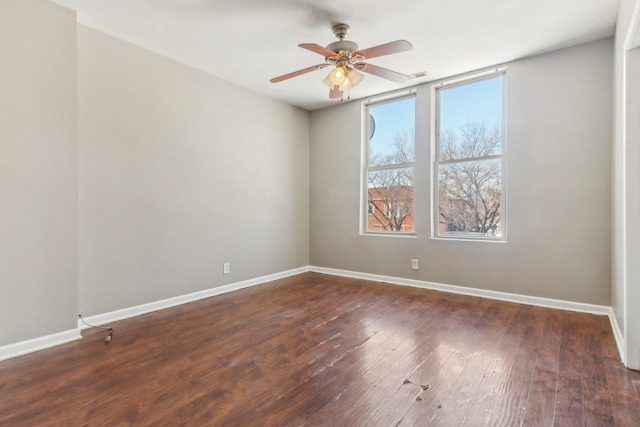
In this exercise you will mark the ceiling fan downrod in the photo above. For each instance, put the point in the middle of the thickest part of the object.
(340, 30)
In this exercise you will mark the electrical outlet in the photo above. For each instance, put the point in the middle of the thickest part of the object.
(225, 268)
(414, 264)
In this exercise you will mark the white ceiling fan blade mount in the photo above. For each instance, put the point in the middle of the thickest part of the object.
(298, 73)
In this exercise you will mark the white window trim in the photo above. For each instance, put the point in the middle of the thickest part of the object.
(435, 135)
(364, 165)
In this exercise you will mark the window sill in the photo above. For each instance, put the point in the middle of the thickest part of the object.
(458, 239)
(400, 235)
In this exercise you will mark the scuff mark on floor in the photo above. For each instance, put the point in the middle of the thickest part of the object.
(423, 388)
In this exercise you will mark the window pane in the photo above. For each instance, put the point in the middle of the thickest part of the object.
(469, 199)
(392, 132)
(390, 200)
(470, 122)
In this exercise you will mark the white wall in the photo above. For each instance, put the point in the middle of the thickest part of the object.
(633, 208)
(180, 172)
(559, 111)
(38, 170)
(626, 206)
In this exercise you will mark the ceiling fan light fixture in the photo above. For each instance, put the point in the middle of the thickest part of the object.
(336, 77)
(353, 78)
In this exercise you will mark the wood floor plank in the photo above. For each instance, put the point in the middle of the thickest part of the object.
(598, 409)
(569, 398)
(541, 402)
(319, 350)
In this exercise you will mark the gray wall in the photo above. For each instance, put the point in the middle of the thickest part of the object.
(180, 172)
(38, 170)
(559, 111)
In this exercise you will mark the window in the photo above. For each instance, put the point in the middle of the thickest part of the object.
(388, 175)
(469, 148)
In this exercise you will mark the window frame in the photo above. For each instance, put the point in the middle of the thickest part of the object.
(436, 162)
(366, 168)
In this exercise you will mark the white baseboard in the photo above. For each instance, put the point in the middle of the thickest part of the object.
(483, 293)
(125, 313)
(617, 334)
(40, 343)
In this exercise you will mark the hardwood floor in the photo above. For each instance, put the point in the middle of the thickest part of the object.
(319, 350)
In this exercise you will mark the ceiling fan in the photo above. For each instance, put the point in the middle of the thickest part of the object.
(347, 58)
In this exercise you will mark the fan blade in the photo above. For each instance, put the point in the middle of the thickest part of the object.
(319, 49)
(335, 93)
(394, 76)
(384, 49)
(298, 73)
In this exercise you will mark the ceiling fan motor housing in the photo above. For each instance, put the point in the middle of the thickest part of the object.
(344, 46)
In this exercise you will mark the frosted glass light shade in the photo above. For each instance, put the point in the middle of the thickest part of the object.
(336, 77)
(353, 78)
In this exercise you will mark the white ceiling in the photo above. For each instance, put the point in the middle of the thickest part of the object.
(250, 41)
